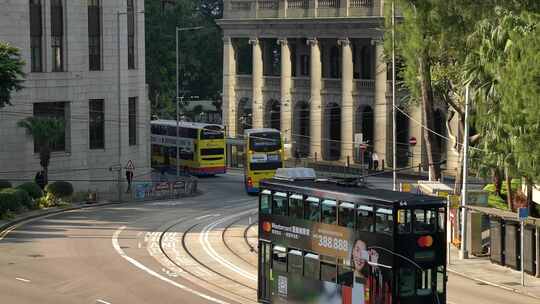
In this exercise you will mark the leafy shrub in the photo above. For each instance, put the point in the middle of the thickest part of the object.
(4, 184)
(80, 196)
(32, 189)
(60, 189)
(24, 199)
(9, 201)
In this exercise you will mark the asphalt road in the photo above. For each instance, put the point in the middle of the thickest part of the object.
(110, 255)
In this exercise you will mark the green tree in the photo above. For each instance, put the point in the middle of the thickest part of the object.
(11, 72)
(200, 52)
(45, 131)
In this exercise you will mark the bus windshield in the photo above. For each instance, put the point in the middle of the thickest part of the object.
(265, 141)
(212, 132)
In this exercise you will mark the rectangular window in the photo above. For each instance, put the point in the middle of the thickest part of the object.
(36, 36)
(55, 110)
(97, 124)
(425, 221)
(329, 212)
(133, 121)
(404, 221)
(311, 266)
(384, 220)
(57, 35)
(131, 34)
(296, 206)
(312, 209)
(295, 261)
(213, 151)
(328, 272)
(364, 218)
(265, 202)
(279, 203)
(346, 215)
(279, 259)
(94, 35)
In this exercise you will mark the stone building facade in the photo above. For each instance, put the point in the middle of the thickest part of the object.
(315, 69)
(85, 64)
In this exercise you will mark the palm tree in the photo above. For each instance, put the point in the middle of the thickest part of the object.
(46, 131)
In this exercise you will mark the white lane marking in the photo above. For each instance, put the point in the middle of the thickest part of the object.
(22, 280)
(137, 264)
(203, 239)
(208, 215)
(102, 301)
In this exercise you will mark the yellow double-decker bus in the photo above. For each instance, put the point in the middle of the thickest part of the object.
(263, 156)
(201, 147)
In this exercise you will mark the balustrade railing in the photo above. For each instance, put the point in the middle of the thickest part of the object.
(244, 81)
(328, 3)
(268, 4)
(298, 4)
(361, 3)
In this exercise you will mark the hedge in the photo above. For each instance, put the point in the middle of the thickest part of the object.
(4, 184)
(9, 200)
(32, 189)
(60, 189)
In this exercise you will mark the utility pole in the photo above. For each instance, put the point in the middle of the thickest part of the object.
(463, 253)
(394, 161)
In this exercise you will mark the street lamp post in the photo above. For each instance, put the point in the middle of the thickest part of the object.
(177, 99)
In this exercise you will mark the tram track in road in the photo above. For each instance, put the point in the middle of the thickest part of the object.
(245, 239)
(200, 277)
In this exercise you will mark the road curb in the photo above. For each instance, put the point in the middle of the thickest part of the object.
(57, 210)
(493, 284)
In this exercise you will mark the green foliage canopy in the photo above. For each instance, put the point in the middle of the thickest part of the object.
(11, 72)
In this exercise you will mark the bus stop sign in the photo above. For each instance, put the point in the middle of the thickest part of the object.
(523, 213)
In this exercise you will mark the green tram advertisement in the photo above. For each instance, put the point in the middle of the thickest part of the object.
(320, 242)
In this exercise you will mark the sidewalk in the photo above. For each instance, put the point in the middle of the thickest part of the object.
(481, 269)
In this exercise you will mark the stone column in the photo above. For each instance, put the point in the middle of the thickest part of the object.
(257, 81)
(315, 128)
(382, 111)
(347, 111)
(286, 99)
(229, 83)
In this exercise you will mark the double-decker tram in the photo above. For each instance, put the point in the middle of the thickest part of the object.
(327, 241)
(201, 147)
(263, 155)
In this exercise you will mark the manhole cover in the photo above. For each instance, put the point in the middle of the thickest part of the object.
(481, 283)
(512, 283)
(35, 255)
(124, 247)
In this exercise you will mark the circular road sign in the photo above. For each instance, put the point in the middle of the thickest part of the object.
(363, 147)
(412, 141)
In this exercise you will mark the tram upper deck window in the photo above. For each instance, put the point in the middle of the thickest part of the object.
(295, 261)
(311, 265)
(296, 206)
(312, 209)
(404, 221)
(346, 215)
(329, 214)
(364, 218)
(425, 221)
(424, 283)
(265, 202)
(384, 219)
(279, 259)
(279, 203)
